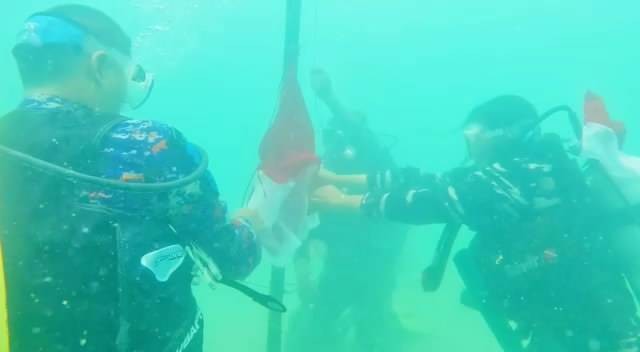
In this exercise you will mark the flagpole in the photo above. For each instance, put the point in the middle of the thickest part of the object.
(278, 275)
(292, 36)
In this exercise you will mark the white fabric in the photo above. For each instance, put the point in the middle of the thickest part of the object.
(600, 142)
(284, 210)
(267, 197)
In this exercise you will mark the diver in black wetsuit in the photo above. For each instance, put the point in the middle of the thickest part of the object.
(353, 292)
(102, 218)
(541, 268)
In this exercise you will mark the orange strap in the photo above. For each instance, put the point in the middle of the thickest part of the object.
(4, 319)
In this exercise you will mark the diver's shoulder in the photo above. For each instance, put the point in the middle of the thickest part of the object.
(141, 124)
(144, 129)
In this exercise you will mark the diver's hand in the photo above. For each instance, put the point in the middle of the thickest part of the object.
(205, 269)
(396, 179)
(253, 218)
(326, 177)
(321, 84)
(330, 198)
(328, 195)
(355, 183)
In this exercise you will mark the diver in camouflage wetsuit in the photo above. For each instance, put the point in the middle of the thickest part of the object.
(90, 267)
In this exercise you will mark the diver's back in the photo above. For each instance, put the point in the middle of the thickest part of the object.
(59, 259)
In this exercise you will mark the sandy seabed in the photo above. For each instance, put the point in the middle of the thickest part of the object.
(235, 324)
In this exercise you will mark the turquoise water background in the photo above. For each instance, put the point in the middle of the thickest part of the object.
(416, 67)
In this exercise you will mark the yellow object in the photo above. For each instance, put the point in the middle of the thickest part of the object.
(4, 322)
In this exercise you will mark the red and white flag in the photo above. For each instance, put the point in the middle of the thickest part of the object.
(288, 164)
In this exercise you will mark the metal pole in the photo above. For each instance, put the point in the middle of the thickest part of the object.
(292, 36)
(278, 275)
(274, 332)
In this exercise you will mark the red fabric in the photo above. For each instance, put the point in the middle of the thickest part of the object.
(288, 147)
(595, 111)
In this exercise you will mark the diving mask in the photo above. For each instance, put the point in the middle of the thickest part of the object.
(139, 85)
(483, 143)
(480, 140)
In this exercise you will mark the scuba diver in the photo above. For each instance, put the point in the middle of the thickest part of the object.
(103, 218)
(541, 268)
(353, 291)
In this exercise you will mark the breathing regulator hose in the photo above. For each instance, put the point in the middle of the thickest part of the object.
(77, 177)
(574, 120)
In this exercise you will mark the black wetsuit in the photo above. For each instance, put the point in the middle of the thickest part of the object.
(542, 253)
(358, 277)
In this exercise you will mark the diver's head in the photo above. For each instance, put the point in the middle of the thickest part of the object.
(80, 53)
(351, 146)
(500, 128)
(342, 135)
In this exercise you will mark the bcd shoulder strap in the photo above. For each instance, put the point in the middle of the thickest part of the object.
(4, 318)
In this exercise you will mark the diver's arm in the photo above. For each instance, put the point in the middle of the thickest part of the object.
(353, 182)
(415, 207)
(399, 179)
(233, 247)
(473, 196)
(196, 213)
(419, 206)
(323, 87)
(336, 107)
(357, 183)
(330, 199)
(231, 243)
(380, 181)
(252, 218)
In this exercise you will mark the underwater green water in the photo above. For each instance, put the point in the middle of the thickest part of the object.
(416, 67)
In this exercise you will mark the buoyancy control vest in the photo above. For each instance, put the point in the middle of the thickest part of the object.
(74, 268)
(60, 260)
